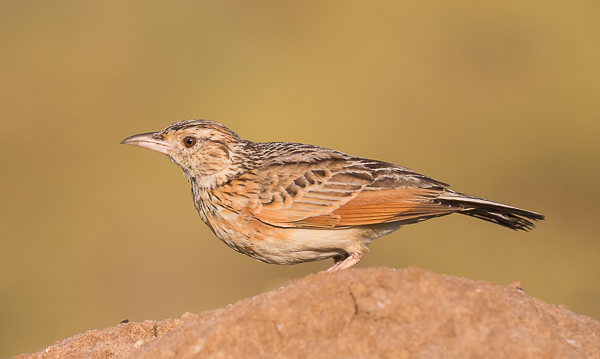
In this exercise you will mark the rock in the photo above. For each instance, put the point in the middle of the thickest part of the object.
(110, 342)
(357, 313)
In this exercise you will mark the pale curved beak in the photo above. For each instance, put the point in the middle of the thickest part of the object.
(149, 141)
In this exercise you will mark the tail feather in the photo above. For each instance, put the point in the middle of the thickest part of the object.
(504, 215)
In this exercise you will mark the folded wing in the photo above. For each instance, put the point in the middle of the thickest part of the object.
(359, 192)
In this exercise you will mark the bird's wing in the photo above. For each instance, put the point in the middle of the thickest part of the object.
(329, 194)
(384, 206)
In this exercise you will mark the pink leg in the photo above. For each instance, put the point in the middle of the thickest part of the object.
(345, 263)
(337, 260)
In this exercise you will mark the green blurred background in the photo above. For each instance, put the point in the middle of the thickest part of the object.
(501, 100)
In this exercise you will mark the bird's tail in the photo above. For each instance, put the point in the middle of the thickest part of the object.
(507, 216)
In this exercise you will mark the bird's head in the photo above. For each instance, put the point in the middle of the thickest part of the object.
(208, 152)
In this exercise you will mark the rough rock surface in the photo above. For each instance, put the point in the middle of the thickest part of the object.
(111, 342)
(357, 313)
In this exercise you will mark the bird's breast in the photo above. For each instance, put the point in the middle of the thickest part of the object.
(233, 226)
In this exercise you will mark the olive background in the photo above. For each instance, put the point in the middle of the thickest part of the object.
(501, 100)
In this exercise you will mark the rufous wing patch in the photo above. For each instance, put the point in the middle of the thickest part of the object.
(383, 206)
(342, 197)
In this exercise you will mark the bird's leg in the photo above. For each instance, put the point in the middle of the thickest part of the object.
(337, 260)
(344, 261)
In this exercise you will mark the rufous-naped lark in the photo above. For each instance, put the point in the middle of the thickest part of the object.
(288, 203)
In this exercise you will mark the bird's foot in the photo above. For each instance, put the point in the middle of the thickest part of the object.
(345, 263)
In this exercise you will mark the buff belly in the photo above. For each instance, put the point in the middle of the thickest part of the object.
(298, 245)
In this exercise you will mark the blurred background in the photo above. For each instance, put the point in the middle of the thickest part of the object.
(501, 100)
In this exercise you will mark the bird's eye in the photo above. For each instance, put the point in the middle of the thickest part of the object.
(189, 141)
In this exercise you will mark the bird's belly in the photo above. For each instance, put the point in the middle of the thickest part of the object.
(278, 245)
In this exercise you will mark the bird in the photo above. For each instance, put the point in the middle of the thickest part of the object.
(289, 203)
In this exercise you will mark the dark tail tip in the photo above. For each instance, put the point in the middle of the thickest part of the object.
(516, 219)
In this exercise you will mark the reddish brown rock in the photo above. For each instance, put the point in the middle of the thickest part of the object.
(360, 313)
(110, 342)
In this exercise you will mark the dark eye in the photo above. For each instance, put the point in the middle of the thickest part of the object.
(189, 141)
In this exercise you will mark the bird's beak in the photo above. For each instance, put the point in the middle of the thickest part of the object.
(149, 141)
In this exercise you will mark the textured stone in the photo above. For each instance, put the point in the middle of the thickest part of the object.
(361, 313)
(110, 342)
